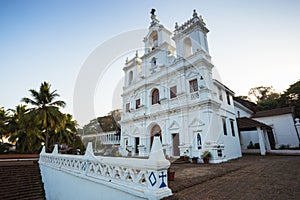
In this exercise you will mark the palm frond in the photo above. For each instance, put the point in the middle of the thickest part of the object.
(58, 103)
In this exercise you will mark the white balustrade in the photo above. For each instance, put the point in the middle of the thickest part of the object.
(105, 138)
(194, 95)
(144, 178)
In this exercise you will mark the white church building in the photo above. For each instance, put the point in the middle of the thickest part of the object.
(169, 91)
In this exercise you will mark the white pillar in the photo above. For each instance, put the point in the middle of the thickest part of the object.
(261, 141)
(268, 146)
(297, 125)
(181, 84)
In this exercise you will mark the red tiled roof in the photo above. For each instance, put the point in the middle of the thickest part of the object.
(247, 123)
(18, 156)
(20, 178)
(248, 104)
(273, 112)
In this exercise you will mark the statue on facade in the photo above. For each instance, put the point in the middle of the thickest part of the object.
(153, 17)
(152, 11)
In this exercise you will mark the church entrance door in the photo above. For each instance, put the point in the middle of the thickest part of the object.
(175, 138)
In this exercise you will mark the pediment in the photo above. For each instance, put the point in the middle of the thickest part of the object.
(174, 125)
(125, 132)
(173, 81)
(192, 74)
(196, 122)
(136, 131)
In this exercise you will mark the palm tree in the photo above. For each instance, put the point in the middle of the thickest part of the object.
(46, 110)
(67, 133)
(24, 131)
(3, 123)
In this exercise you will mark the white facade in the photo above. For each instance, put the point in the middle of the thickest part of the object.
(281, 120)
(245, 136)
(241, 110)
(284, 130)
(169, 91)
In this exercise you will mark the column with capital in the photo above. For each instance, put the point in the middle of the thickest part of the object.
(262, 141)
(297, 125)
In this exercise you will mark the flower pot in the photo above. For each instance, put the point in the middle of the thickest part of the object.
(206, 160)
(195, 160)
(171, 176)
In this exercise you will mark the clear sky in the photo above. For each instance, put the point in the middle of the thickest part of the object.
(252, 43)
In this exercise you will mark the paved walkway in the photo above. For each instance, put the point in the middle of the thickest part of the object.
(250, 177)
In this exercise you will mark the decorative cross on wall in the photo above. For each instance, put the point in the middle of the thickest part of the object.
(162, 176)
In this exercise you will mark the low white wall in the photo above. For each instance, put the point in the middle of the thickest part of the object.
(63, 185)
(91, 177)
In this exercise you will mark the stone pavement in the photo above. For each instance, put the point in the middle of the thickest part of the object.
(249, 177)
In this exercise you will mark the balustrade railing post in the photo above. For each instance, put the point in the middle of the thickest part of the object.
(145, 178)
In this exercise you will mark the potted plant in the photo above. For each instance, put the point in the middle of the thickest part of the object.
(195, 160)
(185, 158)
(171, 175)
(206, 156)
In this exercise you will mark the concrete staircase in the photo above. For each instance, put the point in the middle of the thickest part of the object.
(20, 179)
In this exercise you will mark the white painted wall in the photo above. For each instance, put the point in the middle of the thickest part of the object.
(60, 185)
(283, 128)
(247, 137)
(241, 110)
(91, 177)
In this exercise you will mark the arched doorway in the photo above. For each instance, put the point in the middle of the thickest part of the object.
(154, 131)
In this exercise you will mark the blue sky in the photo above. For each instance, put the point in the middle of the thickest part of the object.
(252, 43)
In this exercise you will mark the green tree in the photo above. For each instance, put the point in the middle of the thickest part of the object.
(78, 144)
(46, 110)
(110, 122)
(24, 131)
(67, 133)
(91, 128)
(291, 97)
(246, 98)
(262, 93)
(3, 123)
(265, 97)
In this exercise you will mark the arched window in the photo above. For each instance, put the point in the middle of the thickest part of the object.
(155, 96)
(153, 40)
(187, 47)
(153, 62)
(130, 78)
(193, 85)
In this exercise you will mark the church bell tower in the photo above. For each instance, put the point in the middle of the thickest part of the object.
(191, 36)
(157, 35)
